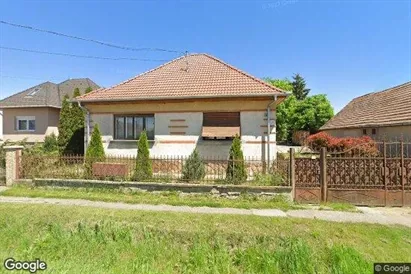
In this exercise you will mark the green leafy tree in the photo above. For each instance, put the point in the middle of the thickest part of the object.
(95, 150)
(50, 143)
(71, 127)
(285, 111)
(144, 169)
(283, 84)
(312, 113)
(236, 172)
(299, 87)
(89, 89)
(194, 168)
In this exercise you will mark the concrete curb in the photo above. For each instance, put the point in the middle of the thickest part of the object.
(153, 186)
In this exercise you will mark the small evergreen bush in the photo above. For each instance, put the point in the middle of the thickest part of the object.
(50, 143)
(95, 151)
(194, 168)
(236, 172)
(144, 169)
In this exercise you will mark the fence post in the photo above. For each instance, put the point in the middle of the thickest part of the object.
(292, 172)
(402, 173)
(323, 174)
(385, 173)
(13, 157)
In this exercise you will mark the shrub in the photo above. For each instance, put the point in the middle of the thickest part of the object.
(273, 179)
(50, 143)
(319, 140)
(351, 145)
(236, 172)
(194, 168)
(95, 151)
(144, 169)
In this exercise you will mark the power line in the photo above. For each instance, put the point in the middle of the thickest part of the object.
(87, 39)
(84, 56)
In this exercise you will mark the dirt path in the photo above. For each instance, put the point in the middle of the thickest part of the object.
(393, 216)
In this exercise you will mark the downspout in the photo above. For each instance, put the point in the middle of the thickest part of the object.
(87, 125)
(269, 130)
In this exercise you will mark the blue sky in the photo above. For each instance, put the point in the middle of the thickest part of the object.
(343, 48)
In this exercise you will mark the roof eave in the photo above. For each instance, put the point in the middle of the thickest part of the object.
(393, 124)
(174, 98)
(30, 106)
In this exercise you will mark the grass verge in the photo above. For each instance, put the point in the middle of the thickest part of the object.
(245, 201)
(138, 197)
(90, 240)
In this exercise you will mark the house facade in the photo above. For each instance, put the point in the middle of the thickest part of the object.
(195, 101)
(34, 113)
(383, 115)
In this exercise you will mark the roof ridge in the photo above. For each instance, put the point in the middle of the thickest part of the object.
(381, 91)
(71, 79)
(131, 79)
(242, 72)
(26, 90)
(360, 108)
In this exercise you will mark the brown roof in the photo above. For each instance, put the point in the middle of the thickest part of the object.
(47, 94)
(385, 108)
(192, 76)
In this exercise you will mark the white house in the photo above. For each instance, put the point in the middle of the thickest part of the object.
(195, 101)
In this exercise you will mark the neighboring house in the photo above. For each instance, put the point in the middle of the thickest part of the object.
(195, 101)
(34, 113)
(380, 115)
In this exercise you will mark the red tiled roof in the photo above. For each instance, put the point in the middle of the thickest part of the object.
(385, 108)
(192, 76)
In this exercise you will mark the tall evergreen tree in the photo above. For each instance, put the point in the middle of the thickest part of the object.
(236, 172)
(95, 150)
(89, 89)
(71, 127)
(144, 169)
(299, 87)
(76, 92)
(76, 143)
(64, 126)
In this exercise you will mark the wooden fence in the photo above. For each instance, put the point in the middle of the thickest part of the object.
(382, 178)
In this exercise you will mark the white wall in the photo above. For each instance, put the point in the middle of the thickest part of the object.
(179, 134)
(253, 133)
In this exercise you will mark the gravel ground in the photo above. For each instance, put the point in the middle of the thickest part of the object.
(385, 216)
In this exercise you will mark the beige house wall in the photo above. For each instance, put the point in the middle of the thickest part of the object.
(178, 127)
(46, 123)
(238, 104)
(391, 133)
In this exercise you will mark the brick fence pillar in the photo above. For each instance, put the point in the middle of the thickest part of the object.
(13, 155)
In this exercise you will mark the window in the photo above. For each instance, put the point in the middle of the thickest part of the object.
(33, 92)
(374, 131)
(220, 125)
(130, 127)
(25, 123)
(364, 131)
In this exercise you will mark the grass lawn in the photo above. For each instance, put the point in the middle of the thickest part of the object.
(90, 240)
(139, 197)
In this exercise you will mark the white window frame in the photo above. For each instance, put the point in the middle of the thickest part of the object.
(27, 119)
